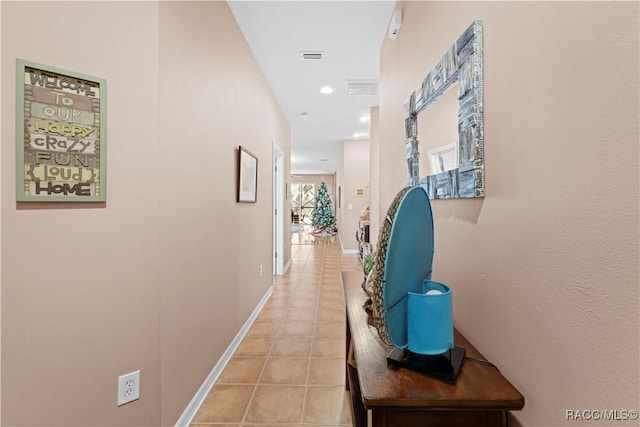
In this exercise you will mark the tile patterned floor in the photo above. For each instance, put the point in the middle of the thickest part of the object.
(302, 234)
(289, 369)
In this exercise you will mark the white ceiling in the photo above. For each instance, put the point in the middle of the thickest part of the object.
(349, 33)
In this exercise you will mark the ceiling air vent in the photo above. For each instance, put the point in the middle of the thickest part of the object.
(311, 55)
(362, 87)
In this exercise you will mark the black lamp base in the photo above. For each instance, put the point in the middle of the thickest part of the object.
(443, 367)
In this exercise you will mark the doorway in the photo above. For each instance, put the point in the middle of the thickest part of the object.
(303, 201)
(278, 210)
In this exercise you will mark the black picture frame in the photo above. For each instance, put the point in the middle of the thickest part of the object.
(247, 176)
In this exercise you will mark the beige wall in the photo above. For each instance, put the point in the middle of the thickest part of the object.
(354, 174)
(374, 168)
(162, 276)
(80, 300)
(545, 267)
(1, 122)
(211, 246)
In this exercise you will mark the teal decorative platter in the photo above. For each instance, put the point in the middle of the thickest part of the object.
(409, 259)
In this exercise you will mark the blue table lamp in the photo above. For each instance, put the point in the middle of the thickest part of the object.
(430, 320)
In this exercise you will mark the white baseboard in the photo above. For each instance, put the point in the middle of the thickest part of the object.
(190, 412)
(346, 251)
(286, 267)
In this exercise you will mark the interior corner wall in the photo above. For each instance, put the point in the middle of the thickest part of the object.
(544, 268)
(355, 154)
(163, 275)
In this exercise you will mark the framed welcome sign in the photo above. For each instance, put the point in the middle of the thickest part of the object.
(60, 135)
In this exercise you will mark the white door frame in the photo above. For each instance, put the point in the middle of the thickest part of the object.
(278, 210)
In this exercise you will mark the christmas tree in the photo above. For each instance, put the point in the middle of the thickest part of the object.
(322, 217)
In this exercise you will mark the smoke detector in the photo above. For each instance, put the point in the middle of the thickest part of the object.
(395, 24)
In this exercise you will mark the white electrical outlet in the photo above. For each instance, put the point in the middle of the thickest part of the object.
(128, 387)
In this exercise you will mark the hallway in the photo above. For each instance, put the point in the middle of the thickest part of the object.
(289, 369)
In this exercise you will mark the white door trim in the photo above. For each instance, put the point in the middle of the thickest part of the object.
(278, 210)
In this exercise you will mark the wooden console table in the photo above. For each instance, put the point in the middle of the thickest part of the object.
(387, 396)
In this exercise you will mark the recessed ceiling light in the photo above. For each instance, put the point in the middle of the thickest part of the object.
(326, 90)
(364, 119)
(359, 134)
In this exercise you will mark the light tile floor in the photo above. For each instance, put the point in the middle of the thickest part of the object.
(289, 369)
(302, 234)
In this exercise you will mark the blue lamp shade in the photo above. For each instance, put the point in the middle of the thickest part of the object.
(430, 319)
